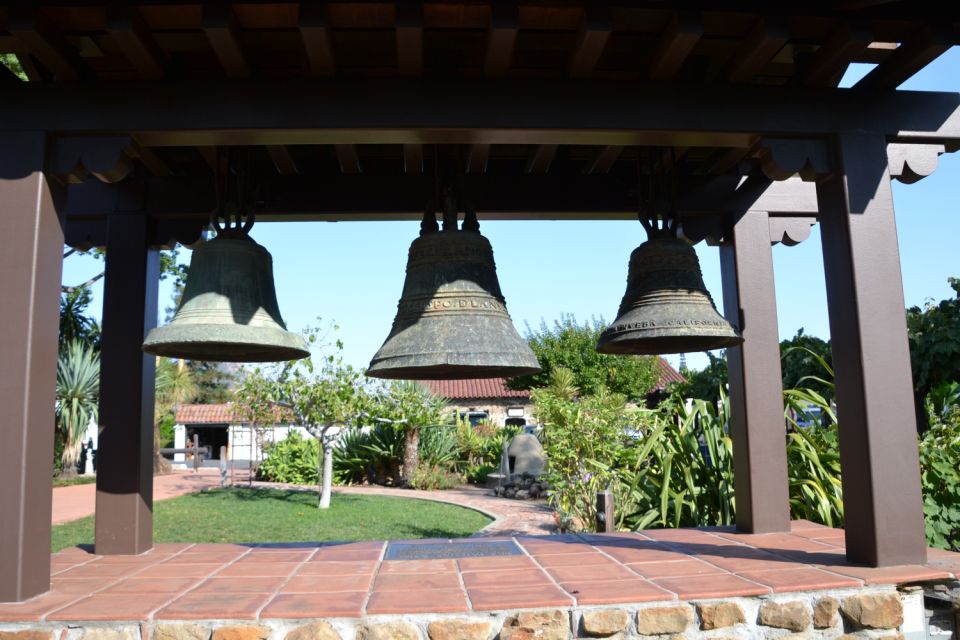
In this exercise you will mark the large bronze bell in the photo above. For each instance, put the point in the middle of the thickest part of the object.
(667, 308)
(452, 321)
(228, 312)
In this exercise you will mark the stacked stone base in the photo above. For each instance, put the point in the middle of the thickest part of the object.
(850, 613)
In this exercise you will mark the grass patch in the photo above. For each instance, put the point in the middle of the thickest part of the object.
(69, 482)
(271, 515)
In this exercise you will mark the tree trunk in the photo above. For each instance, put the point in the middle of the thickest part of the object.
(327, 478)
(411, 453)
(160, 464)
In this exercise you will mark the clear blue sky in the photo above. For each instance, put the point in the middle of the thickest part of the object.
(352, 272)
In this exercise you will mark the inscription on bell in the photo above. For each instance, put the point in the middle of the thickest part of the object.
(452, 304)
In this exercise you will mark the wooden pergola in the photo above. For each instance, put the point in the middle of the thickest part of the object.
(540, 108)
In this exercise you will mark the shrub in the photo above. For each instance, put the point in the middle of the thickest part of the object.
(940, 475)
(292, 460)
(584, 441)
(432, 478)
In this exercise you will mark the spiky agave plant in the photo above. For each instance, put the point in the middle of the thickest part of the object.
(78, 396)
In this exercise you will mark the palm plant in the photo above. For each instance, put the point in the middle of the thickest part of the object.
(78, 395)
(174, 386)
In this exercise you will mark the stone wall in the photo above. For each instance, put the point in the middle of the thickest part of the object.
(841, 614)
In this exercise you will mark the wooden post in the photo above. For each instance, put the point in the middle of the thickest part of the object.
(196, 453)
(30, 271)
(757, 426)
(124, 517)
(882, 496)
(606, 516)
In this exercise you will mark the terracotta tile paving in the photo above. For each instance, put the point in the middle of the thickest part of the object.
(418, 601)
(246, 582)
(614, 591)
(305, 605)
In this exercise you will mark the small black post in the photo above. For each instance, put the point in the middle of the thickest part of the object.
(605, 513)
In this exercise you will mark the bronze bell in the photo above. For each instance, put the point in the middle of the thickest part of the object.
(228, 311)
(452, 321)
(667, 308)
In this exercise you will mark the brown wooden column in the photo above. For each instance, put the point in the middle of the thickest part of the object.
(30, 270)
(878, 433)
(756, 392)
(124, 518)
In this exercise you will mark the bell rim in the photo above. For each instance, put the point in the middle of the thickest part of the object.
(655, 345)
(189, 342)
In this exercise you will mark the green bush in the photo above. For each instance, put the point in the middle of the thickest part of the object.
(292, 460)
(432, 478)
(940, 475)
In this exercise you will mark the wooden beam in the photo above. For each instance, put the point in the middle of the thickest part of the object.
(397, 196)
(315, 34)
(911, 56)
(38, 35)
(282, 160)
(477, 157)
(727, 160)
(219, 24)
(131, 34)
(477, 111)
(149, 159)
(603, 160)
(758, 48)
(409, 29)
(591, 40)
(209, 155)
(501, 38)
(542, 158)
(676, 43)
(831, 59)
(348, 158)
(413, 158)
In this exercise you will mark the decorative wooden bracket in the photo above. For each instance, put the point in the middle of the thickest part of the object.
(109, 158)
(789, 230)
(781, 158)
(911, 162)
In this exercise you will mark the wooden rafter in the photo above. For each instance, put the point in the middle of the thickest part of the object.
(316, 38)
(591, 41)
(911, 56)
(282, 159)
(348, 158)
(36, 33)
(678, 40)
(603, 160)
(220, 26)
(409, 29)
(477, 157)
(757, 49)
(831, 59)
(131, 34)
(541, 158)
(501, 38)
(413, 158)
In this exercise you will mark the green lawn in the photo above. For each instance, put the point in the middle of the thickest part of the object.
(70, 481)
(270, 515)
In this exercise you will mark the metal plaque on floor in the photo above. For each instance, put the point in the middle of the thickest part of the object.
(438, 550)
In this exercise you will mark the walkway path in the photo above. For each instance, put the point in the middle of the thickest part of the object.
(78, 501)
(510, 516)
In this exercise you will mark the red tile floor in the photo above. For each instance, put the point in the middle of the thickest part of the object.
(228, 581)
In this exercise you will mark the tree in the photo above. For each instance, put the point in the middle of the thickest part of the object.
(11, 62)
(323, 401)
(75, 324)
(408, 406)
(934, 335)
(801, 366)
(174, 386)
(78, 395)
(573, 346)
(705, 384)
